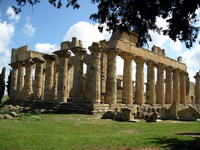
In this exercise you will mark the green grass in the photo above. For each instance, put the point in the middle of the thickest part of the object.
(5, 97)
(64, 132)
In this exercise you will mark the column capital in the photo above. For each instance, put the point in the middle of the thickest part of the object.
(176, 71)
(126, 56)
(151, 63)
(29, 62)
(78, 50)
(112, 51)
(197, 75)
(169, 68)
(13, 65)
(48, 57)
(62, 53)
(139, 59)
(38, 60)
(95, 47)
(20, 63)
(160, 66)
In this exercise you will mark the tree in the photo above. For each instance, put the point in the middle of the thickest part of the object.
(9, 82)
(140, 16)
(2, 82)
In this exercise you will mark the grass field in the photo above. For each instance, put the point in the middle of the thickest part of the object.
(5, 97)
(65, 132)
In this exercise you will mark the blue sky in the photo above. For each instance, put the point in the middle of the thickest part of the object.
(44, 27)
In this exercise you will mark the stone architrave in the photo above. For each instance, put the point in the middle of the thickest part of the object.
(63, 92)
(94, 95)
(28, 87)
(139, 93)
(127, 94)
(13, 86)
(176, 86)
(197, 87)
(111, 83)
(49, 77)
(20, 80)
(38, 85)
(169, 83)
(78, 79)
(183, 87)
(150, 88)
(160, 96)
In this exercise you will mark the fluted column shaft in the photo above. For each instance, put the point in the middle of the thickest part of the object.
(150, 88)
(13, 86)
(160, 84)
(20, 80)
(94, 95)
(176, 87)
(28, 87)
(168, 89)
(38, 85)
(139, 93)
(127, 94)
(182, 87)
(49, 77)
(197, 87)
(111, 83)
(63, 92)
(78, 79)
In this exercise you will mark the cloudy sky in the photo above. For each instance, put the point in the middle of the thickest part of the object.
(44, 27)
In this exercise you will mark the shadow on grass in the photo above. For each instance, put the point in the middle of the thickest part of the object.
(178, 144)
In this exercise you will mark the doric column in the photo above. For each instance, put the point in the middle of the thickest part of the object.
(28, 87)
(78, 79)
(183, 87)
(168, 89)
(150, 88)
(197, 87)
(63, 92)
(49, 77)
(20, 80)
(13, 86)
(176, 87)
(127, 94)
(38, 84)
(139, 93)
(111, 83)
(55, 79)
(94, 95)
(160, 96)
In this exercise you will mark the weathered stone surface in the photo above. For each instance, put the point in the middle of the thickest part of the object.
(189, 114)
(124, 115)
(7, 116)
(109, 115)
(173, 111)
(13, 114)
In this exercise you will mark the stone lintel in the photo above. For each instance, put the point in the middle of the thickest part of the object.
(63, 53)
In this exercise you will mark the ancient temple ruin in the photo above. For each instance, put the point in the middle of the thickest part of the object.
(59, 77)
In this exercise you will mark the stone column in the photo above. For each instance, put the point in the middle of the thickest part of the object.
(160, 96)
(49, 77)
(38, 84)
(127, 94)
(28, 87)
(63, 56)
(176, 87)
(168, 89)
(182, 87)
(94, 95)
(111, 83)
(55, 79)
(197, 87)
(150, 88)
(78, 79)
(139, 93)
(20, 80)
(13, 86)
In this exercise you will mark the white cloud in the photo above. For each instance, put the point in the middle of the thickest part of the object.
(11, 14)
(46, 47)
(7, 31)
(29, 29)
(86, 32)
(177, 46)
